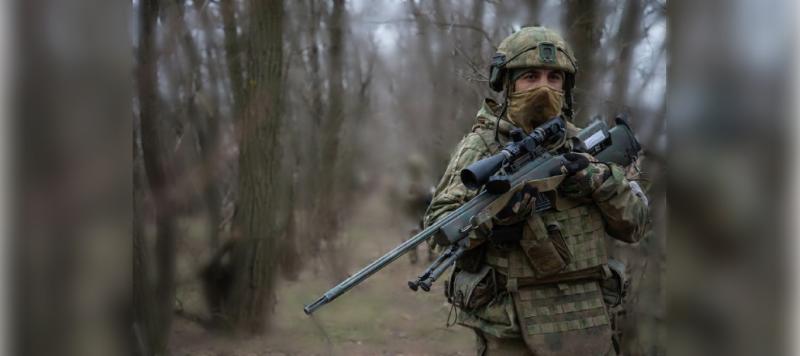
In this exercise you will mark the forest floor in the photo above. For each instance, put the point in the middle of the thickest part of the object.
(380, 317)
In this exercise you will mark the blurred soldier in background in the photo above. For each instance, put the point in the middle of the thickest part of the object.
(541, 282)
(417, 199)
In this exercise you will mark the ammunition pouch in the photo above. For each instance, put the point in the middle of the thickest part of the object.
(468, 291)
(548, 253)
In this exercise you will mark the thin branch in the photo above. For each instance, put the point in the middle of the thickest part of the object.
(365, 83)
(607, 101)
(477, 73)
(440, 24)
(646, 77)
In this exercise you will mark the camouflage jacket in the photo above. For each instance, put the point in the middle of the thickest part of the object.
(619, 211)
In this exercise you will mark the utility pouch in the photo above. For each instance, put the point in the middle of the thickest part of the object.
(545, 247)
(615, 287)
(472, 259)
(471, 290)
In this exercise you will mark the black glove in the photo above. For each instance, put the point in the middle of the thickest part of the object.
(518, 208)
(576, 162)
(583, 175)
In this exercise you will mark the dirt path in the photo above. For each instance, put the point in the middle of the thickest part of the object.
(380, 317)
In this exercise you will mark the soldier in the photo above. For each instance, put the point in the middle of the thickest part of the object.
(417, 199)
(535, 283)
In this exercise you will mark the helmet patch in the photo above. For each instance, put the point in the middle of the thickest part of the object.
(547, 52)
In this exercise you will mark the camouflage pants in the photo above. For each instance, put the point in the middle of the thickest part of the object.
(488, 345)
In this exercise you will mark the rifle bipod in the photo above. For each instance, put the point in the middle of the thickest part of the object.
(437, 268)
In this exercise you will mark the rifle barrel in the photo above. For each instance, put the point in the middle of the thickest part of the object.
(382, 262)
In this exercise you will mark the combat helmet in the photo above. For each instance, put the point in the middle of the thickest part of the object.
(534, 47)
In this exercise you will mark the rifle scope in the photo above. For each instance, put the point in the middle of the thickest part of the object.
(478, 173)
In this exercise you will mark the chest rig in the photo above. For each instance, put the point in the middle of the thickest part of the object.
(563, 240)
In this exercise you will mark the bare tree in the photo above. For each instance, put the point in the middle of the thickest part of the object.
(255, 251)
(628, 36)
(584, 29)
(315, 179)
(331, 133)
(233, 55)
(144, 313)
(203, 115)
(161, 179)
(427, 40)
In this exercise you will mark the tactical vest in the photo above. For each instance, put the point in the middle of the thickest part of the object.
(554, 243)
(553, 275)
(556, 288)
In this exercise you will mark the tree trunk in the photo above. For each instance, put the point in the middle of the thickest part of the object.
(433, 64)
(476, 18)
(290, 259)
(628, 37)
(208, 129)
(204, 117)
(314, 181)
(331, 138)
(144, 313)
(255, 252)
(583, 33)
(161, 178)
(233, 56)
(534, 12)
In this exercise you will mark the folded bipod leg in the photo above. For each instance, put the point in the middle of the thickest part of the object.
(433, 276)
(415, 283)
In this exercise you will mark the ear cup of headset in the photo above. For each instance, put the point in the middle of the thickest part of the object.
(497, 70)
(569, 86)
(496, 75)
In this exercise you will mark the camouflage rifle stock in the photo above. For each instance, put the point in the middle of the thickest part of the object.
(523, 160)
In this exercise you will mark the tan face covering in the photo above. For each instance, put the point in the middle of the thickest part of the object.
(530, 108)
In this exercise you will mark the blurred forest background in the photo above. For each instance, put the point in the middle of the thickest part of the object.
(280, 145)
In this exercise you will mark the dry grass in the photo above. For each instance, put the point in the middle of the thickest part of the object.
(380, 317)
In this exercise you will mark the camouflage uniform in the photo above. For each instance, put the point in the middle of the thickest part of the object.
(540, 295)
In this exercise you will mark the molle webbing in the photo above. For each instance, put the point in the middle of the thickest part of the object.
(582, 229)
(561, 307)
(595, 273)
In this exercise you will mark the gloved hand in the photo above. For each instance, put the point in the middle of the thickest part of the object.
(518, 208)
(584, 175)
